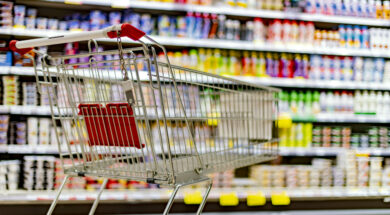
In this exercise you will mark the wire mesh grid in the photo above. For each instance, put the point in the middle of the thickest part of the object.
(152, 121)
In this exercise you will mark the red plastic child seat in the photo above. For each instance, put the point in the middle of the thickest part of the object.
(113, 125)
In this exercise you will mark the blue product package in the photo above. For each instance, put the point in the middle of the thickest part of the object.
(85, 26)
(114, 18)
(190, 24)
(172, 26)
(181, 26)
(349, 36)
(134, 19)
(41, 23)
(198, 26)
(357, 36)
(52, 24)
(365, 40)
(6, 59)
(32, 13)
(73, 24)
(63, 26)
(146, 24)
(30, 23)
(163, 25)
(379, 67)
(206, 26)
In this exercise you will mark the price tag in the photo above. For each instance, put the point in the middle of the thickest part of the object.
(229, 199)
(76, 2)
(120, 4)
(257, 199)
(4, 109)
(280, 199)
(194, 198)
(3, 148)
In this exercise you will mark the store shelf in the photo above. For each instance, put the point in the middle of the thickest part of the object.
(25, 110)
(163, 194)
(274, 82)
(315, 84)
(329, 152)
(220, 44)
(343, 118)
(234, 11)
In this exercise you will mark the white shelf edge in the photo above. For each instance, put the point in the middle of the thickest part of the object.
(164, 194)
(331, 151)
(242, 12)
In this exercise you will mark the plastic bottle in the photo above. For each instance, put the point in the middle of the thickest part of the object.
(315, 66)
(347, 69)
(294, 102)
(386, 9)
(343, 36)
(386, 101)
(308, 108)
(253, 63)
(337, 68)
(379, 9)
(201, 59)
(310, 29)
(294, 32)
(302, 33)
(275, 70)
(365, 108)
(305, 66)
(261, 66)
(206, 26)
(258, 31)
(221, 33)
(379, 103)
(316, 106)
(350, 102)
(190, 24)
(337, 106)
(245, 64)
(198, 26)
(269, 64)
(214, 27)
(283, 65)
(357, 108)
(357, 37)
(330, 102)
(372, 102)
(323, 102)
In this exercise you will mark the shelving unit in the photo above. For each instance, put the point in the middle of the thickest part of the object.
(323, 196)
(232, 11)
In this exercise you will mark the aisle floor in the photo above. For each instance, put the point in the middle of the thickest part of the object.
(306, 212)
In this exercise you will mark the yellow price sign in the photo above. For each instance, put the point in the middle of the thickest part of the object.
(194, 198)
(76, 2)
(121, 4)
(256, 199)
(228, 199)
(280, 199)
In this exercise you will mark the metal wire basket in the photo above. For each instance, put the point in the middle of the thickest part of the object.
(138, 117)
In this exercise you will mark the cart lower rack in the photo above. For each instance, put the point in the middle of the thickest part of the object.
(137, 117)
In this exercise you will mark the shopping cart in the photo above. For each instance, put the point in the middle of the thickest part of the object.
(129, 114)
